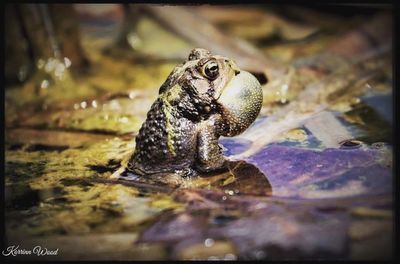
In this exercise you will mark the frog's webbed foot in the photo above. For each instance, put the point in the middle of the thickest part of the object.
(172, 179)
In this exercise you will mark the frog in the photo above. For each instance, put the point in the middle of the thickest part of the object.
(204, 97)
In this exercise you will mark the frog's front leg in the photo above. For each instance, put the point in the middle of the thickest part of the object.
(209, 153)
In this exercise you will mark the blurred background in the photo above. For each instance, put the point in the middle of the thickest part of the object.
(80, 78)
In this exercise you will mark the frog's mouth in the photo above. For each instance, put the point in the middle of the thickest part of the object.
(241, 100)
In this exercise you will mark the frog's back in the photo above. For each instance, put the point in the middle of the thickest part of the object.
(161, 145)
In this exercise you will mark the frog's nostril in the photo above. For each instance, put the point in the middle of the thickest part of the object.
(234, 67)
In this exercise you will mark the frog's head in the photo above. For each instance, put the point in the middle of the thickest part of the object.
(215, 84)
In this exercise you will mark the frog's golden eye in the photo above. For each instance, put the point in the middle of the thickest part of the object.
(211, 70)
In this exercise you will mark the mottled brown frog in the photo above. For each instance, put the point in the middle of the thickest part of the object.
(205, 97)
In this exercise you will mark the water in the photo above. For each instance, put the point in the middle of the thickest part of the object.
(292, 197)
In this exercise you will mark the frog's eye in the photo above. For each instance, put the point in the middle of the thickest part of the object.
(211, 70)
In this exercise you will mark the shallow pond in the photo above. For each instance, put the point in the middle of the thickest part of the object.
(311, 178)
